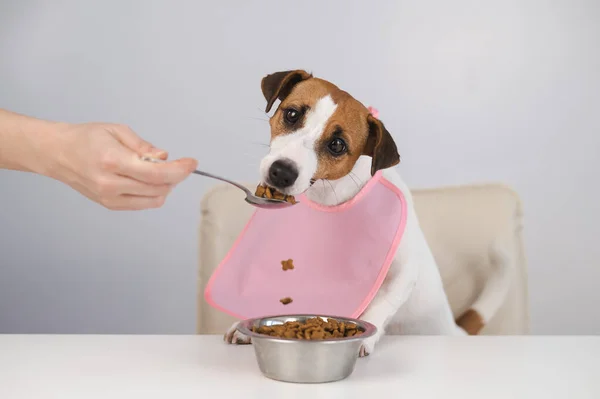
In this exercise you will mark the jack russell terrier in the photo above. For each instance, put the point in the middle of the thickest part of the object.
(319, 132)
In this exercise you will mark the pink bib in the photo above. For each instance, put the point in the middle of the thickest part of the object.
(341, 255)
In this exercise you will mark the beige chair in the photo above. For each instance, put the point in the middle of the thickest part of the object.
(460, 224)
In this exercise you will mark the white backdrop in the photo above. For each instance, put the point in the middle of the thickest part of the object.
(472, 91)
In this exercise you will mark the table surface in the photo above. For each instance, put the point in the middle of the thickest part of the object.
(139, 366)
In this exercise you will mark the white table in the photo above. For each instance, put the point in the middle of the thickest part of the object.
(92, 366)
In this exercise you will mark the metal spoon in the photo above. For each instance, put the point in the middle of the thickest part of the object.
(259, 202)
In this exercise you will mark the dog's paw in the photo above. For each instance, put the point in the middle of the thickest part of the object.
(233, 336)
(368, 345)
(364, 352)
(366, 349)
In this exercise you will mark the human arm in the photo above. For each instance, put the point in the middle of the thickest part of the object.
(100, 160)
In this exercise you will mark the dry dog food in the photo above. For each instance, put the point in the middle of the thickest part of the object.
(286, 300)
(314, 328)
(271, 193)
(287, 264)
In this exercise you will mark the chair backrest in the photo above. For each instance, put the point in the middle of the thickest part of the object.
(460, 224)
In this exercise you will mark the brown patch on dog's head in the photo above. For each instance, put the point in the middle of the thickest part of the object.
(278, 85)
(349, 123)
(349, 132)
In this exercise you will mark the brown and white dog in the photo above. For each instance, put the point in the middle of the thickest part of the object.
(320, 132)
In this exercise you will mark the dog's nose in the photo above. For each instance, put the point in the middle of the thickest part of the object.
(282, 174)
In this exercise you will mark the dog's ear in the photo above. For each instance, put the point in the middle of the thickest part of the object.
(380, 146)
(278, 85)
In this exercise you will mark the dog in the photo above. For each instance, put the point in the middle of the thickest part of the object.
(321, 133)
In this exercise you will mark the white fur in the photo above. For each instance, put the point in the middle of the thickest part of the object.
(497, 285)
(298, 146)
(411, 299)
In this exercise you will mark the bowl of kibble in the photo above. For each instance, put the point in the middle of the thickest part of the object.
(306, 348)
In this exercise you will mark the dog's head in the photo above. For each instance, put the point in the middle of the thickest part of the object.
(318, 132)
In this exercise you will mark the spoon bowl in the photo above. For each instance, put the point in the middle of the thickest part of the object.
(266, 203)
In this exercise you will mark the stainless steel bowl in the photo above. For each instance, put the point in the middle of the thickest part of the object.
(301, 361)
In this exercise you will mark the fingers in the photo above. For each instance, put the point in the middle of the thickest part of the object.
(112, 186)
(105, 196)
(128, 186)
(126, 182)
(156, 153)
(118, 192)
(131, 140)
(130, 165)
(105, 166)
(123, 162)
(134, 203)
(158, 173)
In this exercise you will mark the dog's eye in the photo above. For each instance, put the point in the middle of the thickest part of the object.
(337, 146)
(291, 116)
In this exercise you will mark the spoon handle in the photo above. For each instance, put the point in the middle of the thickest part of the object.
(206, 174)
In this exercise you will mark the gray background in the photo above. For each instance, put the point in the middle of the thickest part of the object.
(472, 91)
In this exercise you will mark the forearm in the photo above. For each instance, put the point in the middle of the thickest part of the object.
(388, 300)
(24, 142)
(393, 293)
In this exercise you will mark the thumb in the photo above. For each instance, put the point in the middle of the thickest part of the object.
(188, 164)
(182, 169)
(135, 143)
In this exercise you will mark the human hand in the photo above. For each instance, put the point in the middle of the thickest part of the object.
(102, 162)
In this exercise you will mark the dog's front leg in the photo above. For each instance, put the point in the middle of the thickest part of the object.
(394, 292)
